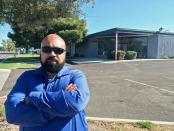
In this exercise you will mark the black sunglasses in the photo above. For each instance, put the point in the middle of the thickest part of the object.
(57, 50)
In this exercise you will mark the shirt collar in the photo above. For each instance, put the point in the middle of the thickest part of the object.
(63, 71)
(39, 71)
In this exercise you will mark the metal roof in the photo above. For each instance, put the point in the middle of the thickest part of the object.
(125, 32)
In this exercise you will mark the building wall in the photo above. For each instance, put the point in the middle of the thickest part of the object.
(165, 45)
(70, 49)
(152, 48)
(90, 49)
(159, 45)
(93, 49)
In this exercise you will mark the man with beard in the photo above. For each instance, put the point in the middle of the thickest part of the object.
(52, 97)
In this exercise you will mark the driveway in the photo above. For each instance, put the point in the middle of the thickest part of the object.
(127, 90)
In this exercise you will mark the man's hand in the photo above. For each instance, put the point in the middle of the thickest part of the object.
(71, 87)
(26, 100)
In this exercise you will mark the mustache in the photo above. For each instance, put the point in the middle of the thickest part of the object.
(52, 58)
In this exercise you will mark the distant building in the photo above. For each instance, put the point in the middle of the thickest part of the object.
(148, 44)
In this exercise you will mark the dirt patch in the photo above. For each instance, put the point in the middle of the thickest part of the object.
(101, 126)
(4, 126)
(115, 126)
(2, 100)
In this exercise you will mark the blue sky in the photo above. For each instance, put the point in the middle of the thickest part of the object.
(134, 14)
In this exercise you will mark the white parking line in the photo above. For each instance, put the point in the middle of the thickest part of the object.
(168, 77)
(150, 86)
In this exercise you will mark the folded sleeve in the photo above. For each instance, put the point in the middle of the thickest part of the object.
(63, 103)
(20, 113)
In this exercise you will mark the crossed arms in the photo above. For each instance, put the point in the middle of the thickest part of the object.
(45, 106)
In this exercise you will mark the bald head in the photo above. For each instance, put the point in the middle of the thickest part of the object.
(53, 53)
(53, 40)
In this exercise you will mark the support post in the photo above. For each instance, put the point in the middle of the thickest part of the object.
(116, 44)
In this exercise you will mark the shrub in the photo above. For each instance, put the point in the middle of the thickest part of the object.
(121, 54)
(171, 57)
(131, 55)
(165, 57)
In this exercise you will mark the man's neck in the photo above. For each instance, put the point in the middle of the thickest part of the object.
(50, 75)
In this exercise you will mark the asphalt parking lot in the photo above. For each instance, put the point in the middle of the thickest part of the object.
(141, 90)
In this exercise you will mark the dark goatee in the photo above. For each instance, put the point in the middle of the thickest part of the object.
(50, 67)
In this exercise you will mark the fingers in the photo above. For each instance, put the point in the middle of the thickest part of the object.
(26, 100)
(67, 88)
(74, 87)
(71, 87)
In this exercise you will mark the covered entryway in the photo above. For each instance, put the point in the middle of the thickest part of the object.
(147, 44)
(110, 41)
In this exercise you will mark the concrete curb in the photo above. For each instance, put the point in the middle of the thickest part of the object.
(4, 74)
(115, 61)
(127, 120)
(136, 60)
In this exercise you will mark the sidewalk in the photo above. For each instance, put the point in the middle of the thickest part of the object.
(4, 74)
(105, 60)
(8, 79)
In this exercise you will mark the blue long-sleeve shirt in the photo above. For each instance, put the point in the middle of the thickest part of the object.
(50, 107)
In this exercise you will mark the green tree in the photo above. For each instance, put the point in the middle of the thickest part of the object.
(4, 45)
(71, 29)
(30, 19)
(10, 45)
(28, 37)
(1, 48)
(30, 12)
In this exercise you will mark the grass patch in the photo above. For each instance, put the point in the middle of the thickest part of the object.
(22, 58)
(20, 61)
(2, 113)
(2, 110)
(119, 126)
(145, 124)
(16, 65)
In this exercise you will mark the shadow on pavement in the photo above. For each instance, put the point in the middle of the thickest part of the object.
(71, 62)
